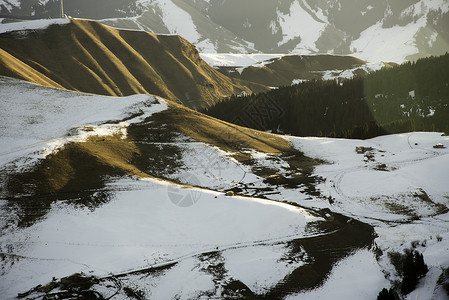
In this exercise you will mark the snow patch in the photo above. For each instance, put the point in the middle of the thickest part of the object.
(355, 277)
(177, 20)
(40, 120)
(299, 23)
(31, 25)
(238, 60)
(259, 267)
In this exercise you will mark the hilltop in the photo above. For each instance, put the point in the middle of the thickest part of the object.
(138, 147)
(87, 56)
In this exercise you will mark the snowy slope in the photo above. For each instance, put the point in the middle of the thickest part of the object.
(35, 121)
(180, 17)
(196, 242)
(177, 20)
(374, 31)
(299, 22)
(377, 42)
(142, 227)
(400, 186)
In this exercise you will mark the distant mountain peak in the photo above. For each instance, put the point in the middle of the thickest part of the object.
(385, 30)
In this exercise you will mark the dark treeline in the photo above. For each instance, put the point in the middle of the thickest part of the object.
(409, 97)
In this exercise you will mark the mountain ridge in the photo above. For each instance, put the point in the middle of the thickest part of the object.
(90, 57)
(375, 31)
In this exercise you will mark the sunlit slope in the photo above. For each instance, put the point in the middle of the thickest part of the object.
(85, 205)
(152, 147)
(149, 149)
(89, 57)
(102, 151)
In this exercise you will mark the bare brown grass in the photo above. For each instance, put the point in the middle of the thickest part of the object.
(87, 56)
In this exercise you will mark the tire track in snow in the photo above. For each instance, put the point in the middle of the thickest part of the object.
(335, 178)
(267, 242)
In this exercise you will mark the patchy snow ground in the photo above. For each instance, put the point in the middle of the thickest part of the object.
(237, 60)
(242, 61)
(35, 121)
(144, 224)
(356, 277)
(143, 227)
(378, 178)
(350, 73)
(396, 183)
(211, 167)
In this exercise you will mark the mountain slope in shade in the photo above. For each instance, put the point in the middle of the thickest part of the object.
(188, 20)
(90, 57)
(375, 31)
(385, 30)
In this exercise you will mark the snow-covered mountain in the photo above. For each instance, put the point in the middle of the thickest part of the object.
(385, 30)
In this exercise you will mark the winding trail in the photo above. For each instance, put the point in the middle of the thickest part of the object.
(335, 178)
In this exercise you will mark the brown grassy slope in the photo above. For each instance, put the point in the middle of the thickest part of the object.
(284, 70)
(229, 137)
(150, 149)
(90, 57)
(144, 143)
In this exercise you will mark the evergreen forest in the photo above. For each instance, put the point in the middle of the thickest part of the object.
(413, 96)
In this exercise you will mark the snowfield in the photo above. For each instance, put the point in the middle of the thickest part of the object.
(31, 25)
(396, 183)
(238, 60)
(402, 191)
(143, 227)
(383, 171)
